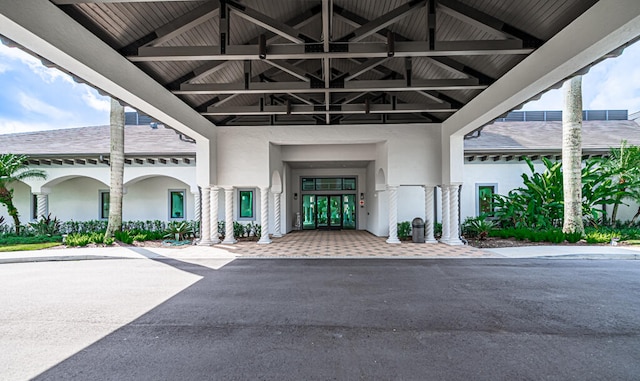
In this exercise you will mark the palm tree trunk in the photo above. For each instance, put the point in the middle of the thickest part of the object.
(572, 155)
(6, 198)
(117, 168)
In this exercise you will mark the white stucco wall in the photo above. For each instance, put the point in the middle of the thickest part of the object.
(22, 202)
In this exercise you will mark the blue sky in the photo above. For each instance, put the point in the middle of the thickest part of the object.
(34, 98)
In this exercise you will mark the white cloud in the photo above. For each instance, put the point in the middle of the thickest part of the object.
(95, 101)
(32, 104)
(49, 75)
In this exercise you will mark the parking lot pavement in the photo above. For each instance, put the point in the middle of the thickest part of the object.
(481, 319)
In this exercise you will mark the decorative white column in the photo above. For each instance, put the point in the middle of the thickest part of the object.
(393, 214)
(205, 227)
(42, 201)
(228, 216)
(264, 216)
(454, 218)
(215, 191)
(445, 213)
(197, 208)
(276, 214)
(428, 215)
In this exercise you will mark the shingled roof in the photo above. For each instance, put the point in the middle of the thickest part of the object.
(598, 136)
(139, 140)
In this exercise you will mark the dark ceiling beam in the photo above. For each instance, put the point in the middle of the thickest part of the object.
(268, 23)
(462, 69)
(389, 18)
(487, 23)
(298, 109)
(326, 48)
(175, 27)
(447, 63)
(364, 67)
(291, 69)
(209, 68)
(346, 87)
(353, 50)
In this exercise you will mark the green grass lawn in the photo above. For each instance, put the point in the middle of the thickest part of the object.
(29, 246)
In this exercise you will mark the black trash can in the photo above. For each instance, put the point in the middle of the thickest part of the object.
(417, 226)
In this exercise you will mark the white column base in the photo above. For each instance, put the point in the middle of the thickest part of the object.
(264, 241)
(454, 242)
(393, 240)
(431, 241)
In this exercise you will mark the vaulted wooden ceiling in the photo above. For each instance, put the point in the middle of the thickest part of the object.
(325, 61)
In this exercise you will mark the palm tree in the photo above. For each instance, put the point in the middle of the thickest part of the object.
(572, 155)
(14, 168)
(117, 168)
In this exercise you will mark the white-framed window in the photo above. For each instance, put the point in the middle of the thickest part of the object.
(103, 212)
(177, 204)
(484, 198)
(246, 204)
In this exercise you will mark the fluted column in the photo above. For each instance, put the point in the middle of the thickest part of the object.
(392, 190)
(228, 216)
(205, 226)
(264, 215)
(42, 201)
(454, 228)
(445, 213)
(215, 191)
(276, 214)
(428, 215)
(197, 208)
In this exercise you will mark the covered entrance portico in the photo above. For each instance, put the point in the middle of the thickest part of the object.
(259, 87)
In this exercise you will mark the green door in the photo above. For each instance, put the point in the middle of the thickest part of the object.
(309, 211)
(322, 208)
(349, 211)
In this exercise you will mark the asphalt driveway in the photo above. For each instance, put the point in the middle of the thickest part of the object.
(489, 319)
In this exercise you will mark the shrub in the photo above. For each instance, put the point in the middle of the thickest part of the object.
(238, 229)
(573, 237)
(77, 240)
(18, 240)
(555, 236)
(598, 237)
(404, 229)
(123, 236)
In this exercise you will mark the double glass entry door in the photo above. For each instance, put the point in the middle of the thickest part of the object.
(329, 211)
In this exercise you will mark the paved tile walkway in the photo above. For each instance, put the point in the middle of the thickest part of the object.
(348, 244)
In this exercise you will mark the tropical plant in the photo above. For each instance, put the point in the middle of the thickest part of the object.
(46, 225)
(14, 168)
(177, 230)
(477, 227)
(623, 166)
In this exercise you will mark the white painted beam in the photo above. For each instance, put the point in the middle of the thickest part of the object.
(355, 50)
(399, 108)
(349, 87)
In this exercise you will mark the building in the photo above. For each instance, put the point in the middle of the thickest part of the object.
(378, 93)
(160, 173)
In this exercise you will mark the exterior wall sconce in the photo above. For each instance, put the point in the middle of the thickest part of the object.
(295, 196)
(361, 196)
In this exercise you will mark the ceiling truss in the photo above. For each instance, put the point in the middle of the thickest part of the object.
(370, 72)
